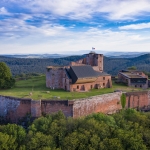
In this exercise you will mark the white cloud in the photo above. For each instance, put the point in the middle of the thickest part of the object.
(135, 26)
(3, 11)
(125, 9)
(40, 29)
(84, 9)
(59, 39)
(18, 27)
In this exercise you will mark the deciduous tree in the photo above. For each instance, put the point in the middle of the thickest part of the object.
(6, 80)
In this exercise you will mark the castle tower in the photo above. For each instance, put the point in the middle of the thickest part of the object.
(95, 60)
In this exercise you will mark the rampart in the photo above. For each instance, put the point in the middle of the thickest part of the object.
(107, 103)
(13, 109)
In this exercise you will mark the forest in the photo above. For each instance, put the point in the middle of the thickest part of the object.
(126, 130)
(36, 65)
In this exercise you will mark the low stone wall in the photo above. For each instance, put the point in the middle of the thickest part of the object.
(15, 108)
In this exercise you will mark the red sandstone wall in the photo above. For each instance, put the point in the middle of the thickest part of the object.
(48, 107)
(54, 78)
(35, 108)
(23, 109)
(103, 81)
(107, 103)
(137, 99)
(14, 108)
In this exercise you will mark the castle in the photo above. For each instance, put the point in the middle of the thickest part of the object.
(82, 75)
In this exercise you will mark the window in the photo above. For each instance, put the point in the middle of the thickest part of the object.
(103, 78)
(135, 85)
(77, 86)
(91, 86)
(103, 84)
(140, 85)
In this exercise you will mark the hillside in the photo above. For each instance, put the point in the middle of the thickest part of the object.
(35, 65)
(111, 65)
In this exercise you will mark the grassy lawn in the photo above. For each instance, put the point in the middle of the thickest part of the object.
(36, 86)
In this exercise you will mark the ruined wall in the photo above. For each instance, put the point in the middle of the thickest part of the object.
(107, 103)
(129, 82)
(35, 108)
(54, 77)
(13, 108)
(53, 106)
(66, 82)
(138, 99)
(95, 60)
(80, 62)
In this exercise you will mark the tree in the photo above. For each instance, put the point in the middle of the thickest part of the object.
(123, 100)
(132, 68)
(6, 79)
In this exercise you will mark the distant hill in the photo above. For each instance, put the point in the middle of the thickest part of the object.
(111, 65)
(36, 65)
(35, 55)
(111, 54)
(125, 54)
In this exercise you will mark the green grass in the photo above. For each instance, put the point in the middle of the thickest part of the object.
(36, 86)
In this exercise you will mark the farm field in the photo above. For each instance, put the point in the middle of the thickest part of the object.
(35, 88)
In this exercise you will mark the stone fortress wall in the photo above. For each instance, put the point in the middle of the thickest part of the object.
(13, 109)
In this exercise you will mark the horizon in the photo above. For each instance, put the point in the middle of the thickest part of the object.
(36, 27)
(77, 53)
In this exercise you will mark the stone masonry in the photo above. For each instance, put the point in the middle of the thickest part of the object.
(14, 108)
(60, 77)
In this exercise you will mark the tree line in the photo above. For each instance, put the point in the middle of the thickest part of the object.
(111, 65)
(35, 65)
(127, 130)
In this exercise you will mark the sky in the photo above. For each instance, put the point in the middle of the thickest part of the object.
(62, 26)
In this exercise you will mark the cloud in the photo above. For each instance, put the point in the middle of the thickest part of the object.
(79, 9)
(21, 30)
(135, 26)
(3, 11)
(63, 39)
(125, 9)
(72, 24)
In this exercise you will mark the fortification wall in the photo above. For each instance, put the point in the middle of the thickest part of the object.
(14, 108)
(107, 103)
(138, 99)
(35, 108)
(53, 106)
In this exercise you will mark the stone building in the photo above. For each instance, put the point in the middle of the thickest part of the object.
(133, 78)
(81, 75)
